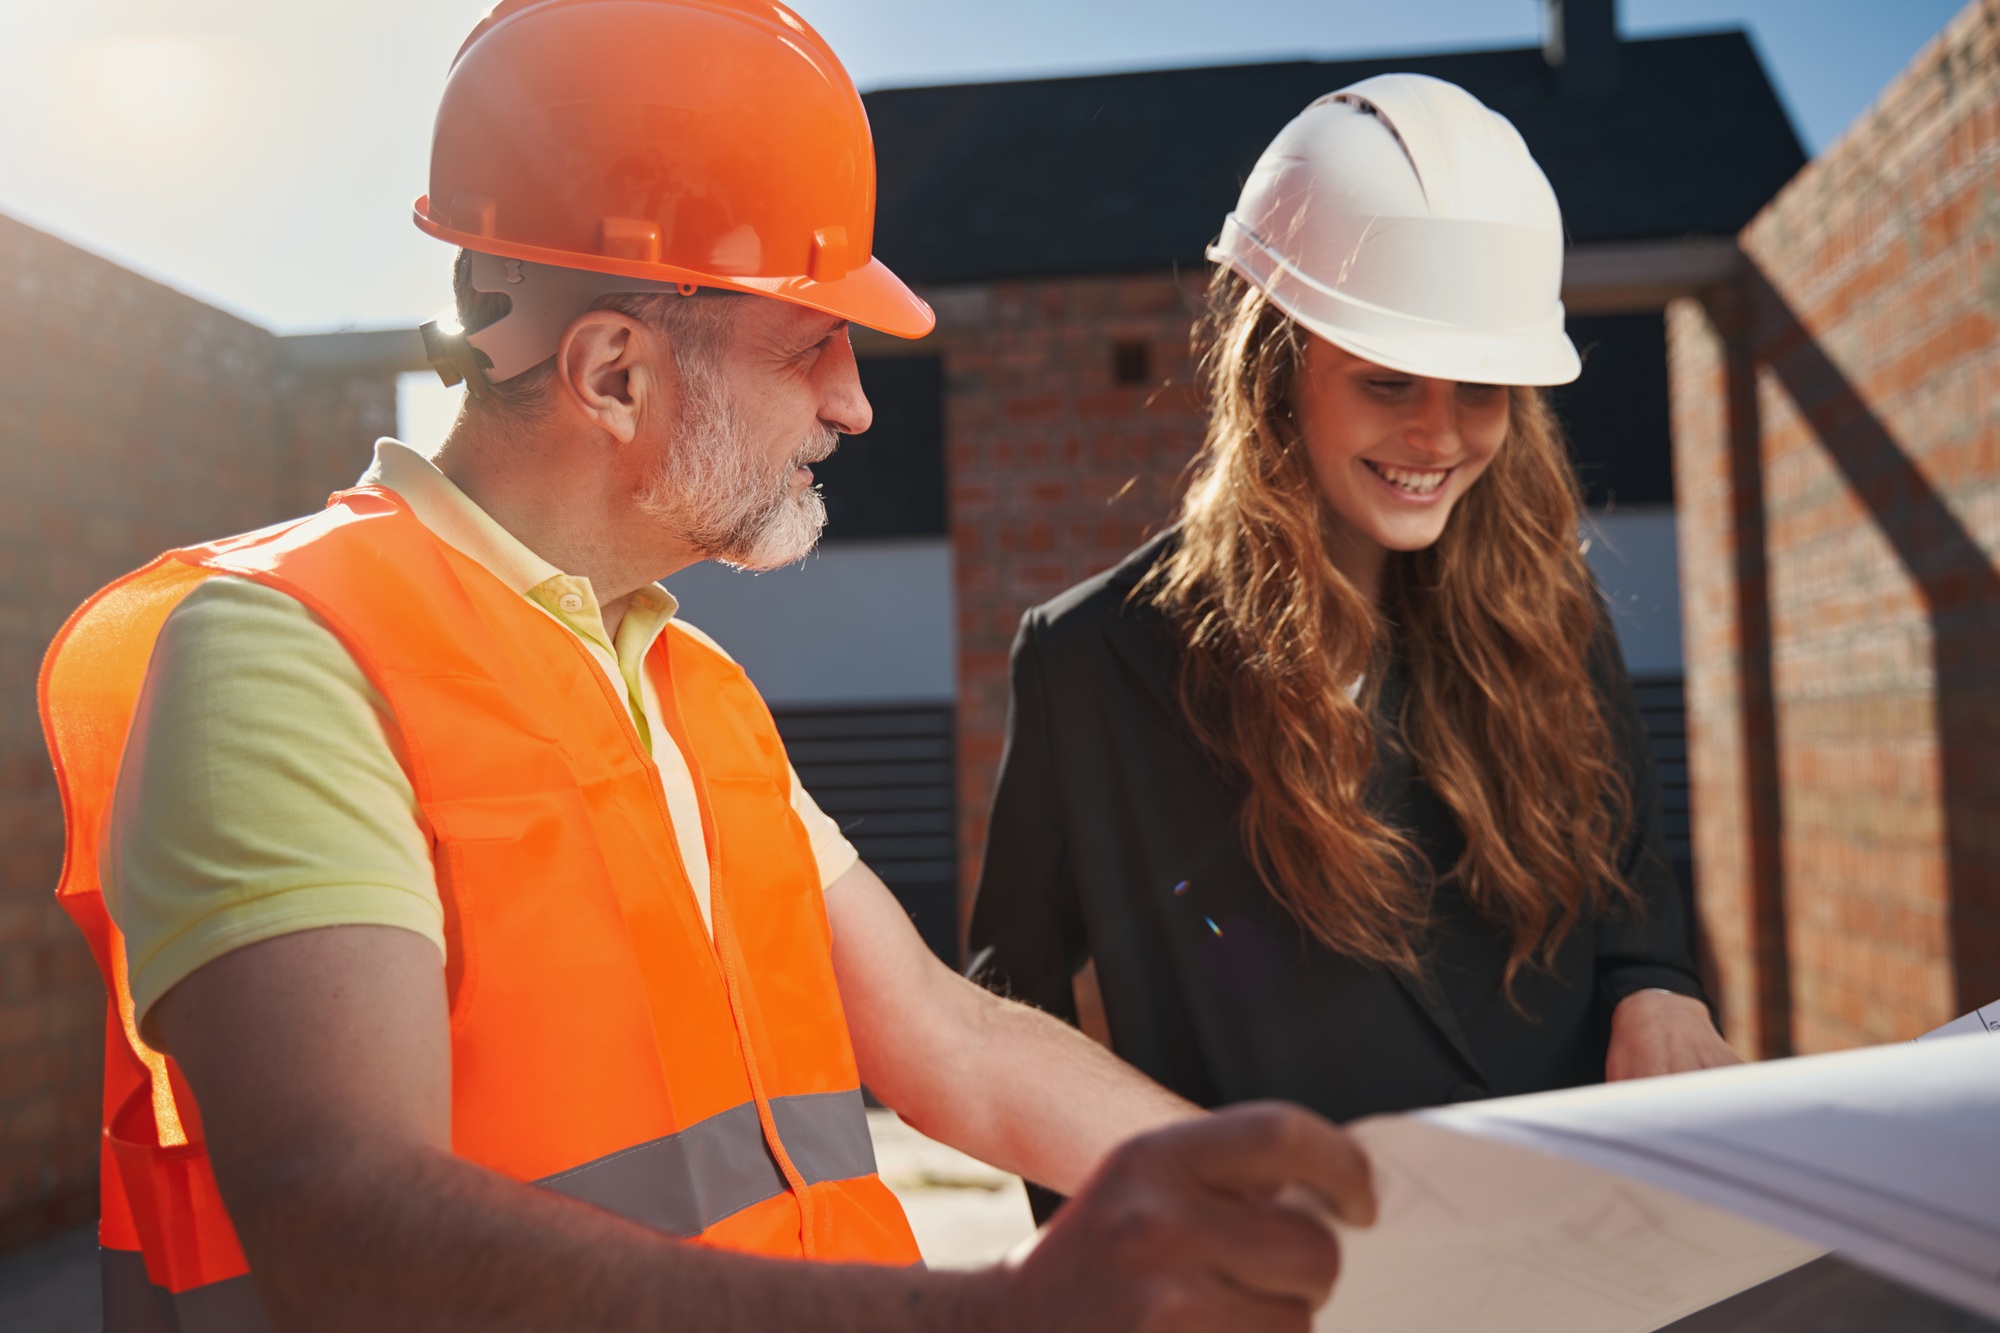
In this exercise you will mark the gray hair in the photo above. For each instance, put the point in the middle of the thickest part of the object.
(695, 328)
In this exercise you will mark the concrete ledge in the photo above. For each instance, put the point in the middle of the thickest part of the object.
(361, 352)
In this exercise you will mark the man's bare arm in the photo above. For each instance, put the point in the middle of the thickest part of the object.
(999, 1080)
(321, 1063)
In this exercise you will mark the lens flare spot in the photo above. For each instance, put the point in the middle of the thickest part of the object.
(1213, 928)
(1182, 887)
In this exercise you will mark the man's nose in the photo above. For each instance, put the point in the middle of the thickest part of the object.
(843, 405)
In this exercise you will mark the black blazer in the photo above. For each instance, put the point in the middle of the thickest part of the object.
(1114, 838)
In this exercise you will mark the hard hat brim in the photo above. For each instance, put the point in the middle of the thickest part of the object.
(871, 295)
(1539, 359)
(1540, 354)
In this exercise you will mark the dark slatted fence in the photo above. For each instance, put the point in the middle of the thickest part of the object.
(886, 775)
(1663, 706)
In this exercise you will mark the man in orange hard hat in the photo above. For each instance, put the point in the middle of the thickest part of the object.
(476, 958)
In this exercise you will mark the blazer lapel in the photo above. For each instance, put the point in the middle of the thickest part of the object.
(1427, 995)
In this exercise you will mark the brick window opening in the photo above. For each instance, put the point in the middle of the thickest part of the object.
(1129, 362)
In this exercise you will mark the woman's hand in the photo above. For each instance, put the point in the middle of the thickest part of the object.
(1659, 1032)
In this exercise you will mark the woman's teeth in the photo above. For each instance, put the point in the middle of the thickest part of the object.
(1416, 483)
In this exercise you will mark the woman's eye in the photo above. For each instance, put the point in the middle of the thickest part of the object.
(1479, 393)
(1388, 386)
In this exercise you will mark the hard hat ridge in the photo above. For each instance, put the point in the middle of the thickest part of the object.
(1470, 160)
(1402, 220)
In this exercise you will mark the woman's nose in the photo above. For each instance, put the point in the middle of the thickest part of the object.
(1434, 427)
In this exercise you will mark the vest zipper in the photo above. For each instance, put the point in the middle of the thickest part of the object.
(723, 938)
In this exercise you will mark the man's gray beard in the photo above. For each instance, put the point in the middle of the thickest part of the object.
(710, 490)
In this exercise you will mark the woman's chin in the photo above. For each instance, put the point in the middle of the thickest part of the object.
(1408, 533)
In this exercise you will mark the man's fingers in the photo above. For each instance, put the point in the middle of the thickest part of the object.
(1184, 1227)
(1253, 1312)
(1268, 1248)
(1260, 1147)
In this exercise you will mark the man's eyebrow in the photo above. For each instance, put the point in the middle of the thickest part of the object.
(815, 337)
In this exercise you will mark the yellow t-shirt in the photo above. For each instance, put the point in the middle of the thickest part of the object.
(260, 792)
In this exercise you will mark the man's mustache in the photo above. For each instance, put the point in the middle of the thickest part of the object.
(820, 449)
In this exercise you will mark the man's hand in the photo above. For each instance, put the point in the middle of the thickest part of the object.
(1183, 1228)
(1659, 1032)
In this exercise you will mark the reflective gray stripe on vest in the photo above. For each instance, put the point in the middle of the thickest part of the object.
(685, 1183)
(826, 1134)
(132, 1304)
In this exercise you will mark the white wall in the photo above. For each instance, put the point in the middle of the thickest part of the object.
(857, 623)
(1634, 554)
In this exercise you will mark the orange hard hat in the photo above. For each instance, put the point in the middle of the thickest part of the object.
(715, 143)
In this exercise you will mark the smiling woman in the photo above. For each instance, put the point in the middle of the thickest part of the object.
(1339, 783)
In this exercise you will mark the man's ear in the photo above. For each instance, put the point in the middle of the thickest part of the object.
(609, 366)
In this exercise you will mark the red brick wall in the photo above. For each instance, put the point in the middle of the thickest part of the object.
(132, 419)
(1732, 767)
(1056, 470)
(1837, 426)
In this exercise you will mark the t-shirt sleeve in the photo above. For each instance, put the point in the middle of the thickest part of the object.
(260, 793)
(831, 849)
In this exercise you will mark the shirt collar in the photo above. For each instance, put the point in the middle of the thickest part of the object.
(459, 523)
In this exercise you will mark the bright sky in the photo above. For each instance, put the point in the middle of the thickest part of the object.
(263, 156)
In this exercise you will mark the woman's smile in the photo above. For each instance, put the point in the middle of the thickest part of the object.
(1413, 485)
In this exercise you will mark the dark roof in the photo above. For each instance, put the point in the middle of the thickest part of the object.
(1131, 172)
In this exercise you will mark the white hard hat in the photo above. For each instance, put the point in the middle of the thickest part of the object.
(1404, 221)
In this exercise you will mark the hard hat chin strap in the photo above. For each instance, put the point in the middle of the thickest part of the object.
(542, 299)
(454, 359)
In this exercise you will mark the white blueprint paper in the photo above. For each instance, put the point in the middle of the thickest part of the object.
(1626, 1206)
(1483, 1236)
(1979, 1020)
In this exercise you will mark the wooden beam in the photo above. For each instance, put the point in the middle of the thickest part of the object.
(1632, 277)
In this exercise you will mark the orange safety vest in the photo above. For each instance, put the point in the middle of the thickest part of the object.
(602, 1047)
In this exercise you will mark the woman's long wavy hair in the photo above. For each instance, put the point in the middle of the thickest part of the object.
(1495, 624)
